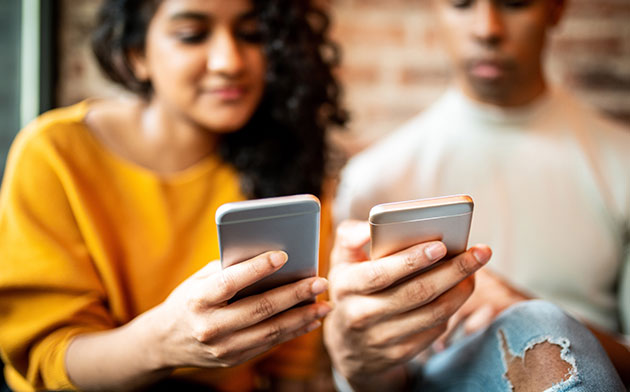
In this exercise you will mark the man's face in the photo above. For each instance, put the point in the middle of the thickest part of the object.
(496, 46)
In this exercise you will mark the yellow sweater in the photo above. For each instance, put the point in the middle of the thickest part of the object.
(88, 241)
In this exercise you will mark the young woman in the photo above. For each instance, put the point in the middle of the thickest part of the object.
(107, 230)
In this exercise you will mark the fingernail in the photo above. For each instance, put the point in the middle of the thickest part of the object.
(323, 310)
(435, 251)
(319, 286)
(313, 325)
(482, 254)
(278, 258)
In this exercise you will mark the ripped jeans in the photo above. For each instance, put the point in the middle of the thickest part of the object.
(490, 360)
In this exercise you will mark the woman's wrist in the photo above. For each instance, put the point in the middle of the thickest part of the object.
(152, 333)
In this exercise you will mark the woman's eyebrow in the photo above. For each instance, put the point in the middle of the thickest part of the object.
(247, 15)
(189, 15)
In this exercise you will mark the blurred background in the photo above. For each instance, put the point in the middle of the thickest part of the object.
(393, 63)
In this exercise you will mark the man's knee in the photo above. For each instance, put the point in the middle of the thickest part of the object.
(538, 312)
(539, 367)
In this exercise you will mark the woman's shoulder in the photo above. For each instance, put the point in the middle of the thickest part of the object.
(49, 134)
(53, 126)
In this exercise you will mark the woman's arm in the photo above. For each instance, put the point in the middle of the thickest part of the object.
(195, 327)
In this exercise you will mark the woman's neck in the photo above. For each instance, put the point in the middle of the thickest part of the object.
(150, 136)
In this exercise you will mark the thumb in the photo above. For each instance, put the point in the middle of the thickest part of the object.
(352, 236)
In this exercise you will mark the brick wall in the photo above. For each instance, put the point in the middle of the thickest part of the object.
(394, 64)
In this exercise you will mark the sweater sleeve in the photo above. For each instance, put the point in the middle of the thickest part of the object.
(49, 289)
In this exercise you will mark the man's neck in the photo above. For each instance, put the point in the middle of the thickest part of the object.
(515, 98)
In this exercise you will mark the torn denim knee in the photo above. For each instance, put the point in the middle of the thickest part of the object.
(525, 372)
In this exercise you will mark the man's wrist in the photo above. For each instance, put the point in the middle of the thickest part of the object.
(394, 379)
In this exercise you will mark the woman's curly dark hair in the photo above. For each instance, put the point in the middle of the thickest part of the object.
(283, 149)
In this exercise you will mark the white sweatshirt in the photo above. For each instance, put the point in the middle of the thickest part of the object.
(551, 186)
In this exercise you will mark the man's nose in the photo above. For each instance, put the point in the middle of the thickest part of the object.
(488, 24)
(224, 54)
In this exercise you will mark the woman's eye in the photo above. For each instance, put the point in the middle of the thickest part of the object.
(461, 3)
(250, 36)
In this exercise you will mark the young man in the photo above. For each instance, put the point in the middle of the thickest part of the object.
(551, 184)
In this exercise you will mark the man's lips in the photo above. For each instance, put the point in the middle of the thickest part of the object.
(488, 69)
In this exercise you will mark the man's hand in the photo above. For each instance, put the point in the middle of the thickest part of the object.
(492, 296)
(378, 322)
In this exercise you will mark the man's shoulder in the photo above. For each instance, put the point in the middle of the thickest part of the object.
(608, 132)
(402, 143)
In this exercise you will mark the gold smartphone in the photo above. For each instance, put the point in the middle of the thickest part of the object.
(397, 226)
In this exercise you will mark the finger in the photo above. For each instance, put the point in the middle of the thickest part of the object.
(479, 319)
(255, 309)
(376, 275)
(209, 269)
(454, 322)
(251, 353)
(351, 237)
(405, 351)
(401, 327)
(278, 329)
(427, 286)
(225, 284)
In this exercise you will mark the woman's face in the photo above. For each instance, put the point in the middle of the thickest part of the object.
(205, 62)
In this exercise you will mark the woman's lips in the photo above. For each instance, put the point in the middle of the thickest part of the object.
(229, 93)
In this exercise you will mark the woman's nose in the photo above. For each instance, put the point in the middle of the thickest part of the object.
(224, 55)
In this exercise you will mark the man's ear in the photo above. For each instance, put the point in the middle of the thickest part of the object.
(138, 63)
(557, 10)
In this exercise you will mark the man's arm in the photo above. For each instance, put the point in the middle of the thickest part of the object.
(378, 323)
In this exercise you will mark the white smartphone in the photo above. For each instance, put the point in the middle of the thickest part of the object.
(397, 226)
(289, 223)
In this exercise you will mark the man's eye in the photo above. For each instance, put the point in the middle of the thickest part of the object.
(516, 3)
(191, 37)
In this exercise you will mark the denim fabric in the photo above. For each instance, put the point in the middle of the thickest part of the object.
(476, 363)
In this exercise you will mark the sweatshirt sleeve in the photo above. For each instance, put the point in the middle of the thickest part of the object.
(49, 289)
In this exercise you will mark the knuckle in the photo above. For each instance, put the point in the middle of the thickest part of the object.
(274, 334)
(377, 277)
(378, 339)
(397, 353)
(463, 265)
(264, 308)
(221, 353)
(303, 292)
(359, 320)
(194, 304)
(205, 333)
(421, 290)
(441, 312)
(410, 259)
(226, 285)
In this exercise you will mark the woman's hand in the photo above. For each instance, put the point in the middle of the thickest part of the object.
(379, 323)
(199, 328)
(195, 326)
(492, 296)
